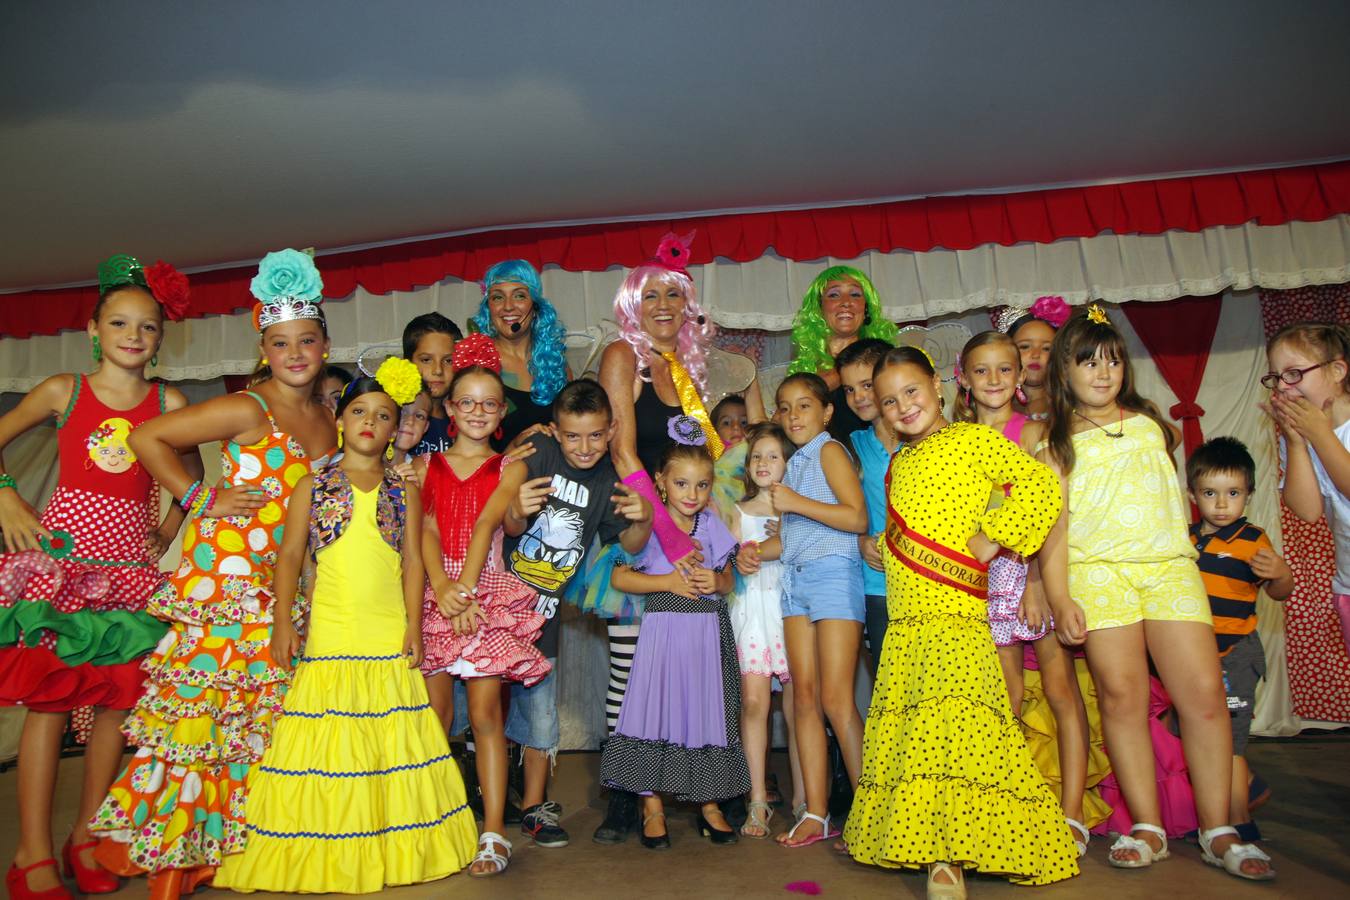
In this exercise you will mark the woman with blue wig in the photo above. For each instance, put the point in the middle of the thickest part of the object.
(530, 340)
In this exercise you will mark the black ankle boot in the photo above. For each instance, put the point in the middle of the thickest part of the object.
(619, 818)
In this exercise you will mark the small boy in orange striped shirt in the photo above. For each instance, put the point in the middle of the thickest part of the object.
(1236, 561)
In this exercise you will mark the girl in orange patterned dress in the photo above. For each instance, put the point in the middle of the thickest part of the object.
(213, 689)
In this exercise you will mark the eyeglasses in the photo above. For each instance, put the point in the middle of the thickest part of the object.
(467, 405)
(1289, 376)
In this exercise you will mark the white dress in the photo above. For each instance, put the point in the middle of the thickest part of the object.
(757, 612)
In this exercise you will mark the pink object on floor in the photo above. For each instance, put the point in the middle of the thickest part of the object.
(803, 887)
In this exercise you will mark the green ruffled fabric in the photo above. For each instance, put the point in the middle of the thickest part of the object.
(103, 638)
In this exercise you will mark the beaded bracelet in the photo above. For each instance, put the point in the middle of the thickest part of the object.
(204, 501)
(7, 481)
(190, 495)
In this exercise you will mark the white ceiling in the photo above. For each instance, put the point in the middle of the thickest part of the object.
(206, 133)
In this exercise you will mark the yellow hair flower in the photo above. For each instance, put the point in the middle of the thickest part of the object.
(1097, 315)
(400, 379)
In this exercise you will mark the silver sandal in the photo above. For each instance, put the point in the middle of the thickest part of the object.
(759, 814)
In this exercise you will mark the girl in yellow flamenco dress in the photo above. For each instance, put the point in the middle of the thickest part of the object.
(947, 781)
(358, 790)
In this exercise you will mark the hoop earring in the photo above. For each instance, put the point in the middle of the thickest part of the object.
(498, 433)
(452, 429)
(96, 350)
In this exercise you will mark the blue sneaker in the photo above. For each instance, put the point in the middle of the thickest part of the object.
(541, 823)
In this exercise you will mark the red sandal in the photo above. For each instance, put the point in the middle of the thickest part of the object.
(16, 882)
(90, 880)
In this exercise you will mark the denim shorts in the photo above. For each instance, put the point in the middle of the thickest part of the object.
(531, 721)
(829, 587)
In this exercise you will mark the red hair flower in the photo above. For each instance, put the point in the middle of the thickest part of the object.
(170, 287)
(476, 349)
(673, 251)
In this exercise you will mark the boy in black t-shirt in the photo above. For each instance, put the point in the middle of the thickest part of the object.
(551, 505)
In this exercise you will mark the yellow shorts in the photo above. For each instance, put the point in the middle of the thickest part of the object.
(1116, 594)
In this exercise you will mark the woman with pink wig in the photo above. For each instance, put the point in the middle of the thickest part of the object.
(663, 366)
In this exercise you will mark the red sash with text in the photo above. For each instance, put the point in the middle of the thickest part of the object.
(932, 560)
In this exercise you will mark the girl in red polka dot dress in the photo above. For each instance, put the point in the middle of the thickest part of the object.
(74, 584)
(213, 689)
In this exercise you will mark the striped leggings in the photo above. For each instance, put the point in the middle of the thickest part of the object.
(622, 643)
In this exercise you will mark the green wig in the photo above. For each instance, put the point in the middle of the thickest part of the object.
(810, 334)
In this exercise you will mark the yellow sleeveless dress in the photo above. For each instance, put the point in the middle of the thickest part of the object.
(358, 790)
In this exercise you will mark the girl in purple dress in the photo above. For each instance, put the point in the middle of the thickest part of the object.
(678, 731)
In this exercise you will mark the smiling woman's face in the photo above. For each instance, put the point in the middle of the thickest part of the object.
(843, 305)
(662, 311)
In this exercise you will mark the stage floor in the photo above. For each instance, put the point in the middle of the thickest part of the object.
(1306, 826)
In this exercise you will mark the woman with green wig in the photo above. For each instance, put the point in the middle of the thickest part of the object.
(840, 307)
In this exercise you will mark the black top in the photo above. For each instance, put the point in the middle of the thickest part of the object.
(521, 413)
(652, 421)
(437, 439)
(550, 551)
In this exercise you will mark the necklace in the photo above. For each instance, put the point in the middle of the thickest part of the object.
(1110, 434)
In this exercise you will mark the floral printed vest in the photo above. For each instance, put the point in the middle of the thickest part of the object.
(331, 508)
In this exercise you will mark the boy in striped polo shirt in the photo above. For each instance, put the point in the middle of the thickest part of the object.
(1236, 561)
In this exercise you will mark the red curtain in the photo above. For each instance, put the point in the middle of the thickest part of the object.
(1178, 336)
(1273, 197)
(1319, 670)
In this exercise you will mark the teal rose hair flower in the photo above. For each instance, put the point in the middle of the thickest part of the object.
(286, 274)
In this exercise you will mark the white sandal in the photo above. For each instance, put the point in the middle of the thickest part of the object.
(825, 832)
(1234, 856)
(487, 854)
(946, 890)
(1147, 855)
(1079, 828)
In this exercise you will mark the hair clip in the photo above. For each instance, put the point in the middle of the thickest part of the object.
(686, 430)
(1097, 315)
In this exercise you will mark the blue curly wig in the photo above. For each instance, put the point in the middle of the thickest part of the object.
(548, 366)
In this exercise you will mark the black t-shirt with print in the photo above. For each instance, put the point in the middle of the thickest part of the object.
(550, 551)
(437, 439)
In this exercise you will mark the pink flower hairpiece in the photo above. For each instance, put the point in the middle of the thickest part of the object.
(1052, 310)
(673, 252)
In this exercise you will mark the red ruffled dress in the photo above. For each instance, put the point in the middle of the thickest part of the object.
(73, 625)
(505, 644)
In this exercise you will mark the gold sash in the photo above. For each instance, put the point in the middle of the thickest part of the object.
(925, 556)
(692, 403)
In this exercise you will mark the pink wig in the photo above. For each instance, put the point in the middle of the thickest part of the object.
(694, 337)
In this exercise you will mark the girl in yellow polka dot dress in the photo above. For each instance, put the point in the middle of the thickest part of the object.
(212, 690)
(948, 782)
(1120, 574)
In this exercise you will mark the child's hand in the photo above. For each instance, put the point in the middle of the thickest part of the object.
(982, 548)
(783, 498)
(1034, 612)
(704, 581)
(1269, 566)
(240, 500)
(20, 523)
(157, 543)
(629, 504)
(531, 497)
(412, 646)
(1307, 421)
(867, 543)
(1070, 624)
(468, 621)
(676, 583)
(686, 564)
(453, 599)
(520, 446)
(408, 472)
(285, 643)
(772, 527)
(747, 558)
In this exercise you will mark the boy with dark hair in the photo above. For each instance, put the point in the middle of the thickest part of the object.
(872, 447)
(730, 418)
(551, 505)
(1236, 561)
(429, 342)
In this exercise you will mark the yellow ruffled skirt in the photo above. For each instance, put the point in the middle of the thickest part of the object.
(1038, 724)
(358, 790)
